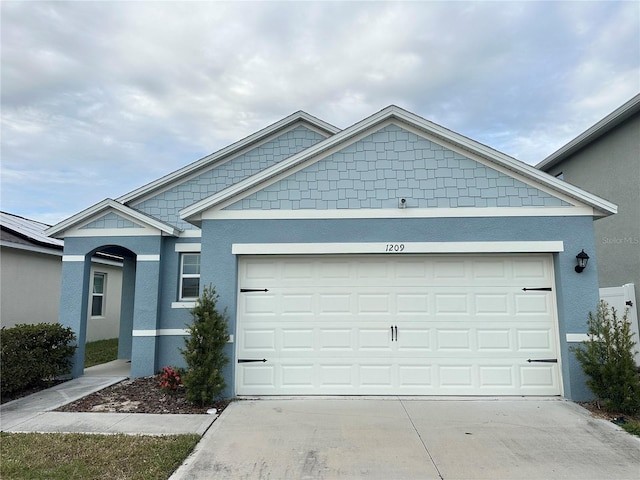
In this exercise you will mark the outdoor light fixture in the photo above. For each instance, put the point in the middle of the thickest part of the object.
(582, 259)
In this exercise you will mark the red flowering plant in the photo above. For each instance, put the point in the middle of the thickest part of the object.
(170, 379)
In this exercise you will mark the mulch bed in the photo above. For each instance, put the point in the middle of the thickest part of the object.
(140, 395)
(598, 411)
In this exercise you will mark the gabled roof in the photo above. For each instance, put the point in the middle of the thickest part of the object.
(393, 112)
(226, 152)
(108, 204)
(615, 118)
(29, 230)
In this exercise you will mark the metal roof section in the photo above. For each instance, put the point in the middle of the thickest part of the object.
(609, 122)
(29, 230)
(225, 152)
(391, 112)
(59, 229)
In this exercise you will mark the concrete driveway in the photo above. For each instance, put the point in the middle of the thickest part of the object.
(411, 438)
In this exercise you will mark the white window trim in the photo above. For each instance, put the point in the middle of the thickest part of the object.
(103, 295)
(183, 304)
(182, 299)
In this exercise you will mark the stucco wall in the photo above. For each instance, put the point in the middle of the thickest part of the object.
(576, 294)
(30, 286)
(610, 168)
(108, 325)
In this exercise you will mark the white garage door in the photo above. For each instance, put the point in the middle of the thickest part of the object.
(402, 325)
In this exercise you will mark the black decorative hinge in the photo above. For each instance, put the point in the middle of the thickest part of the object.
(250, 360)
(245, 290)
(542, 289)
(544, 360)
(629, 303)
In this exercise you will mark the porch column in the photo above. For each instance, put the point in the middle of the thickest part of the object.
(145, 316)
(76, 273)
(126, 307)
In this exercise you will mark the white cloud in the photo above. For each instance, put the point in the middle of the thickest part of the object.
(129, 91)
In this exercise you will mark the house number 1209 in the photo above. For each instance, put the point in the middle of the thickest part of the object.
(394, 247)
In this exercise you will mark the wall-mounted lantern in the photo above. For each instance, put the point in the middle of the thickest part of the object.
(582, 259)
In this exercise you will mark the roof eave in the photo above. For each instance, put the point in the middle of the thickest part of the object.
(58, 229)
(606, 208)
(229, 150)
(609, 122)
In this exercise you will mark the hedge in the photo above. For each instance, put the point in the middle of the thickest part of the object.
(34, 354)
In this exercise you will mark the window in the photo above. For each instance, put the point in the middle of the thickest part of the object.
(189, 276)
(97, 295)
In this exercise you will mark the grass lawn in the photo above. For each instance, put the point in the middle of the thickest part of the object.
(100, 351)
(633, 427)
(79, 456)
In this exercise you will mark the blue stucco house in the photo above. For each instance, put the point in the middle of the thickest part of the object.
(392, 257)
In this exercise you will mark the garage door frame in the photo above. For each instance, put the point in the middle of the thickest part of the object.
(395, 248)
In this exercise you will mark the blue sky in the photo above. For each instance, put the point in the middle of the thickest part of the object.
(99, 98)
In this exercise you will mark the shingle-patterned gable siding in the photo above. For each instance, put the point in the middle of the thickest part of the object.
(111, 220)
(166, 205)
(394, 163)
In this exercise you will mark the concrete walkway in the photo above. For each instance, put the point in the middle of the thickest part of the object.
(412, 438)
(35, 412)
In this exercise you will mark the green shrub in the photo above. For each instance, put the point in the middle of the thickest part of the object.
(33, 354)
(204, 350)
(607, 359)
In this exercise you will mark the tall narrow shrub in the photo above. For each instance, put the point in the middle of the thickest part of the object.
(607, 359)
(204, 350)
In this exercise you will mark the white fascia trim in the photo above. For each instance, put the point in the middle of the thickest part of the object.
(389, 248)
(577, 337)
(213, 163)
(104, 261)
(148, 258)
(463, 212)
(87, 215)
(112, 232)
(191, 234)
(188, 247)
(483, 160)
(612, 120)
(231, 151)
(299, 160)
(73, 258)
(31, 248)
(287, 167)
(558, 186)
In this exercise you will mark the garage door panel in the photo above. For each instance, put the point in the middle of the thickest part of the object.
(535, 340)
(258, 340)
(492, 376)
(374, 303)
(259, 305)
(374, 339)
(492, 304)
(461, 325)
(334, 304)
(336, 339)
(297, 304)
(298, 340)
(300, 375)
(494, 340)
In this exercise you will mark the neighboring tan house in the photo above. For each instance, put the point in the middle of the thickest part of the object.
(605, 160)
(31, 274)
(394, 257)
